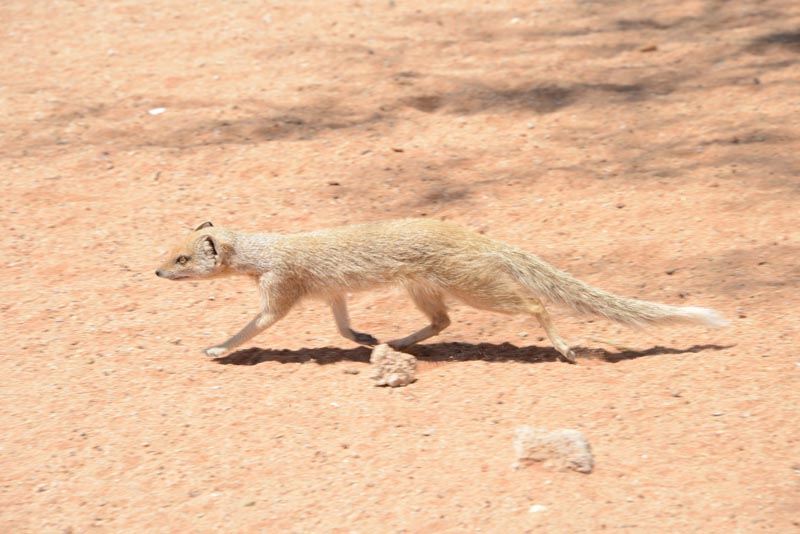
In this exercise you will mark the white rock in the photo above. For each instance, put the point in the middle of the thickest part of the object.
(392, 368)
(561, 449)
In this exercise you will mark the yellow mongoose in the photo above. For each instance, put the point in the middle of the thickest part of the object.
(429, 258)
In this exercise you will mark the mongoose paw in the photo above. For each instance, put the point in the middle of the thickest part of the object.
(568, 356)
(215, 351)
(398, 344)
(365, 339)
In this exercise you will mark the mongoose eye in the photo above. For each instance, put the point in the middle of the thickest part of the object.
(182, 260)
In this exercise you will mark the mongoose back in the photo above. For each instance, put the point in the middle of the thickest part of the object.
(431, 259)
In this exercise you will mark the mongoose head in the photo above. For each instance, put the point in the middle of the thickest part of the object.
(202, 255)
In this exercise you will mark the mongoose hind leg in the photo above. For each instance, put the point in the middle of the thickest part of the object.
(537, 309)
(431, 303)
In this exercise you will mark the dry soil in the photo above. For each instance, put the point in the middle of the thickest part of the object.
(650, 148)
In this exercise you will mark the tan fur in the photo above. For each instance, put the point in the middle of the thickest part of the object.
(431, 259)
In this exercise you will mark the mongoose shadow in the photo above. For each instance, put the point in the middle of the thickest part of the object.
(449, 352)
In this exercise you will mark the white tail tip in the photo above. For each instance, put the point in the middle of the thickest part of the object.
(703, 315)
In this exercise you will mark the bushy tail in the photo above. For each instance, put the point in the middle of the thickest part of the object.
(544, 280)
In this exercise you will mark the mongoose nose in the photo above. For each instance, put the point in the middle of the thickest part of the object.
(158, 273)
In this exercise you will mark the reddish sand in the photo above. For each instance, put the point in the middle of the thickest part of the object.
(651, 149)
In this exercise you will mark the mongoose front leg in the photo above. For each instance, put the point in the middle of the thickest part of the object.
(277, 299)
(261, 322)
(339, 307)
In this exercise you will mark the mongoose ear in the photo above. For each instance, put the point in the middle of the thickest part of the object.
(206, 224)
(210, 247)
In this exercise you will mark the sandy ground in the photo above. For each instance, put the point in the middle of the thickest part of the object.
(652, 149)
